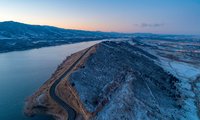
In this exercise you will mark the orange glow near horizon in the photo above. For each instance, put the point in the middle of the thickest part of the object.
(68, 24)
(168, 17)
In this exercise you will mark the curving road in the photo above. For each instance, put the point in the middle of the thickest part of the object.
(52, 92)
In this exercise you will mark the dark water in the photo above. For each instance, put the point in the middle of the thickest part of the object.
(23, 72)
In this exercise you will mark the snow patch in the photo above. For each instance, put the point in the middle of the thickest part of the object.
(186, 73)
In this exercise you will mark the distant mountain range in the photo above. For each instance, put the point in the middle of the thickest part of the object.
(16, 36)
(20, 36)
(16, 30)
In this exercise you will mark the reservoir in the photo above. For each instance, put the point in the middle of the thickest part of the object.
(23, 72)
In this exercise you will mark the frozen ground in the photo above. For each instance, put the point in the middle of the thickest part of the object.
(186, 70)
(188, 76)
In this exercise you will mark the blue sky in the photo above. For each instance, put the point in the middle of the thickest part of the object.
(155, 16)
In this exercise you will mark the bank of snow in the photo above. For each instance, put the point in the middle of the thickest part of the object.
(187, 74)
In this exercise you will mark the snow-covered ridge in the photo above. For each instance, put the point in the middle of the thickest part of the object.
(19, 36)
(16, 30)
(180, 59)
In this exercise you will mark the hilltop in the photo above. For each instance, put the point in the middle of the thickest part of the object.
(124, 80)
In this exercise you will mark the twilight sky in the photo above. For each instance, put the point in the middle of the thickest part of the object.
(155, 16)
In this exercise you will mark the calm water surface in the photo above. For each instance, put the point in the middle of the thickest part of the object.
(23, 72)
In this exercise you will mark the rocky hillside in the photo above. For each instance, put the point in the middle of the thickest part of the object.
(130, 80)
(121, 81)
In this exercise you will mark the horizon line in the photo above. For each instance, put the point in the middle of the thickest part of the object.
(37, 24)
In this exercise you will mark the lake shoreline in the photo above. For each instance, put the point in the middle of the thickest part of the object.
(23, 72)
(45, 44)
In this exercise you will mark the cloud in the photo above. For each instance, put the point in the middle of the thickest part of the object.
(150, 25)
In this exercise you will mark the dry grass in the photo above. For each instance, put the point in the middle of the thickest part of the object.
(64, 90)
